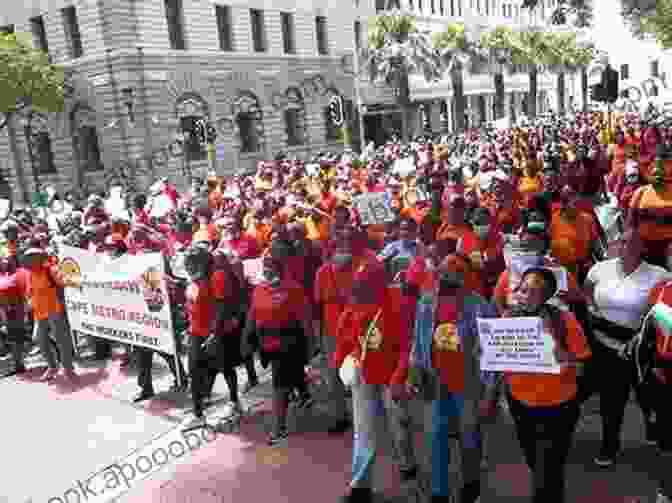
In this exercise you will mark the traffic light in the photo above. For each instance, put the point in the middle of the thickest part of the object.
(336, 111)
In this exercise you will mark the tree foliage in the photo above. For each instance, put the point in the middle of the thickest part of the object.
(564, 51)
(28, 79)
(454, 45)
(659, 23)
(397, 49)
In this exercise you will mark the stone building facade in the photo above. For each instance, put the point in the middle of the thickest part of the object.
(259, 74)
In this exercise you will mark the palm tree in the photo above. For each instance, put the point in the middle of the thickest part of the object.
(397, 49)
(565, 54)
(530, 48)
(457, 51)
(499, 43)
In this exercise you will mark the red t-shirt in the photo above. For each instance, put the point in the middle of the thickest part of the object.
(447, 354)
(246, 247)
(278, 307)
(200, 308)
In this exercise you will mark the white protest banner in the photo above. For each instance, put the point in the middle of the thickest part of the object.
(5, 205)
(253, 270)
(374, 208)
(123, 300)
(517, 345)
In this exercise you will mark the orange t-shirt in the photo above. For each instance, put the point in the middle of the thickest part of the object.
(547, 390)
(278, 307)
(45, 297)
(571, 241)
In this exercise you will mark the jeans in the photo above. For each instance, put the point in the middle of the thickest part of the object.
(545, 435)
(334, 383)
(57, 325)
(444, 421)
(371, 408)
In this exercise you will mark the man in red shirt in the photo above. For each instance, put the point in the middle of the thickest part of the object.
(13, 292)
(242, 244)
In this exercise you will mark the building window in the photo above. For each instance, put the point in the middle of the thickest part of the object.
(441, 8)
(258, 31)
(293, 126)
(358, 34)
(380, 5)
(89, 149)
(224, 27)
(321, 33)
(43, 153)
(287, 20)
(175, 24)
(39, 33)
(625, 72)
(249, 141)
(249, 122)
(72, 35)
(7, 30)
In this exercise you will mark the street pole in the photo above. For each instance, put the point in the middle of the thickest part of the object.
(358, 94)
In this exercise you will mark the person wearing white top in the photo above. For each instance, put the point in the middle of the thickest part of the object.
(619, 293)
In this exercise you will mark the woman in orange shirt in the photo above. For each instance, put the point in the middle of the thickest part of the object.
(544, 407)
(49, 313)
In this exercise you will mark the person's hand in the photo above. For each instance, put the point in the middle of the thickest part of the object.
(563, 357)
(399, 392)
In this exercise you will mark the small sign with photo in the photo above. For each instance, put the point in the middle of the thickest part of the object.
(374, 208)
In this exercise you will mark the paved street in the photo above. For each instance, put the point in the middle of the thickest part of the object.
(68, 434)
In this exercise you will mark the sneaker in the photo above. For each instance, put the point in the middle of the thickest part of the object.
(48, 375)
(194, 423)
(278, 436)
(605, 459)
(661, 498)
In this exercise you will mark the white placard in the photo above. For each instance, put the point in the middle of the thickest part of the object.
(374, 208)
(5, 205)
(124, 300)
(516, 345)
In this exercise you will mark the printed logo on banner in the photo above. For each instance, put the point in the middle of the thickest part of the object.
(71, 272)
(374, 208)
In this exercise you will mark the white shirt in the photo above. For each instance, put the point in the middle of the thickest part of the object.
(620, 298)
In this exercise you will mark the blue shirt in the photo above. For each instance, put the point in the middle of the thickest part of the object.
(399, 248)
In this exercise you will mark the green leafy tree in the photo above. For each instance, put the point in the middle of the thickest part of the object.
(457, 52)
(529, 47)
(397, 49)
(565, 54)
(659, 23)
(29, 85)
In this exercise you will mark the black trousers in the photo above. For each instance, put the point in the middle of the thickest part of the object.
(199, 371)
(16, 338)
(613, 378)
(144, 357)
(545, 435)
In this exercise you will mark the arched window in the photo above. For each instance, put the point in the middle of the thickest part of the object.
(295, 117)
(192, 112)
(86, 137)
(249, 122)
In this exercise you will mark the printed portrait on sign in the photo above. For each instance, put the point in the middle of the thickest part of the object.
(446, 337)
(151, 289)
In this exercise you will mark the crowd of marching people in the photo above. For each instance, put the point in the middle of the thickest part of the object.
(393, 302)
